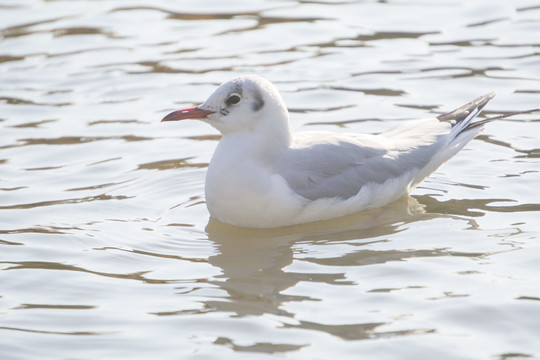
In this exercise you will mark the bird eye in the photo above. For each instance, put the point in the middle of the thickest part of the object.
(232, 100)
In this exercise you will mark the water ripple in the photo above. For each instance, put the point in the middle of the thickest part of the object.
(104, 233)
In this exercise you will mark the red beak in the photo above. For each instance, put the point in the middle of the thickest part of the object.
(191, 113)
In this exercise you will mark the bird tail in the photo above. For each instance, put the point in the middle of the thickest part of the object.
(462, 118)
(464, 129)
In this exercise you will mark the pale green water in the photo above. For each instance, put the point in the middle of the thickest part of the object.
(106, 250)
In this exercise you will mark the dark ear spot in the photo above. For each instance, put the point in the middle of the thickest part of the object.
(258, 102)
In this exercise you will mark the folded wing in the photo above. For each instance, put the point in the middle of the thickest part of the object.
(341, 164)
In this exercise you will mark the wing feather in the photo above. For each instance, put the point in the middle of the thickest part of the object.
(342, 164)
(325, 165)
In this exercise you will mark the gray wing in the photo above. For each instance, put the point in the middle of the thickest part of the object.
(322, 164)
(342, 164)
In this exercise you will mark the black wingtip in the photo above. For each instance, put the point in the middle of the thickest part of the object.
(462, 113)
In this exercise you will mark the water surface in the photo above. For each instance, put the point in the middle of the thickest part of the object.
(106, 247)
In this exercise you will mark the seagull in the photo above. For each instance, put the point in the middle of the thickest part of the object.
(263, 176)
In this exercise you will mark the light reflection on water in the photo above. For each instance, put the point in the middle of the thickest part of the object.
(106, 246)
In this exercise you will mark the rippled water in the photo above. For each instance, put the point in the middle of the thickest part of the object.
(106, 249)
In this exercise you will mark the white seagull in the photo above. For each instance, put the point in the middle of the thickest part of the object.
(263, 176)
